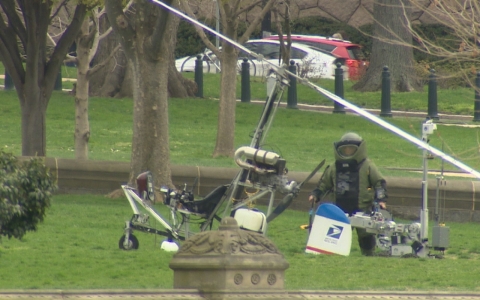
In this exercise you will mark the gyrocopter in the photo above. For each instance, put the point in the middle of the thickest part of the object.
(261, 170)
(265, 172)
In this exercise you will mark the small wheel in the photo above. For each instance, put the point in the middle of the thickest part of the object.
(132, 243)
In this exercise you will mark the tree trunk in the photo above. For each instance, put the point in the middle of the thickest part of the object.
(33, 107)
(145, 41)
(82, 126)
(229, 10)
(35, 77)
(391, 47)
(115, 80)
(178, 86)
(226, 111)
(150, 142)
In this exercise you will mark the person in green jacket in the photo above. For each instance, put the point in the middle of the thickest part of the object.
(356, 184)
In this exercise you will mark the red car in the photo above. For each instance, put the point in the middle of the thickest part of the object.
(353, 54)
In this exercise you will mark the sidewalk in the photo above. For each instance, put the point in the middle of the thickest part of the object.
(459, 120)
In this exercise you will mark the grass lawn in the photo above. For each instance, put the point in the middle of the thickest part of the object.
(77, 245)
(77, 248)
(302, 138)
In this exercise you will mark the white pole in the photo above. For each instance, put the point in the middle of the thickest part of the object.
(424, 210)
(217, 26)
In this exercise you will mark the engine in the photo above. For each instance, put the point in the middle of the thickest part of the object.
(267, 168)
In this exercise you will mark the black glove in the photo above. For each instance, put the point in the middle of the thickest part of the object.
(380, 195)
(317, 194)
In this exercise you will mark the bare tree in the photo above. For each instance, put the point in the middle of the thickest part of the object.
(392, 47)
(463, 19)
(116, 79)
(230, 11)
(87, 45)
(146, 38)
(32, 65)
(284, 48)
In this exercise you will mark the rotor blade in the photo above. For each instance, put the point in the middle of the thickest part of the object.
(286, 201)
(194, 185)
(320, 165)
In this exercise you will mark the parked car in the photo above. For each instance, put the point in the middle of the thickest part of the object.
(353, 54)
(311, 62)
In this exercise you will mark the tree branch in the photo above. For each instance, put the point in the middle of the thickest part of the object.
(248, 7)
(159, 29)
(246, 35)
(103, 63)
(120, 24)
(59, 7)
(10, 51)
(199, 30)
(66, 40)
(14, 20)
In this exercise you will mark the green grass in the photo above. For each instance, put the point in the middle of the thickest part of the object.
(76, 247)
(302, 138)
(455, 101)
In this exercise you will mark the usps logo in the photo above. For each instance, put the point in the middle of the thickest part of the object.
(335, 231)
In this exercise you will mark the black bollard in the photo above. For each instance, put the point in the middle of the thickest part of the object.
(432, 96)
(476, 108)
(8, 82)
(58, 81)
(245, 89)
(338, 108)
(199, 76)
(292, 89)
(385, 110)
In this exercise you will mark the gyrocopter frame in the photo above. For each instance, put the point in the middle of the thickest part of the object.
(261, 170)
(263, 174)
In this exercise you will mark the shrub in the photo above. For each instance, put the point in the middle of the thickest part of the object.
(25, 193)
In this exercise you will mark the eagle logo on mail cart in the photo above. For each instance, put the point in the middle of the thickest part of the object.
(334, 232)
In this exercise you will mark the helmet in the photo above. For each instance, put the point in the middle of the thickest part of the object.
(351, 136)
(348, 145)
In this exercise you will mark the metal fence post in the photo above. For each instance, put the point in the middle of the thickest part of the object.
(245, 89)
(199, 76)
(58, 81)
(476, 108)
(338, 108)
(8, 82)
(385, 110)
(292, 89)
(432, 95)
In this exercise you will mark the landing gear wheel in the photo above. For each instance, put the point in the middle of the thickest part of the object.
(132, 243)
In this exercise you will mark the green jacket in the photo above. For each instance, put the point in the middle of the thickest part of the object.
(370, 180)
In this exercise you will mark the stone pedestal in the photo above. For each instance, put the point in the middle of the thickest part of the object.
(229, 259)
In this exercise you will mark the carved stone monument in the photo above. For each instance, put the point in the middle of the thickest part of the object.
(229, 259)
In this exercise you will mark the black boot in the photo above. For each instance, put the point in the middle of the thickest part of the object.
(367, 245)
